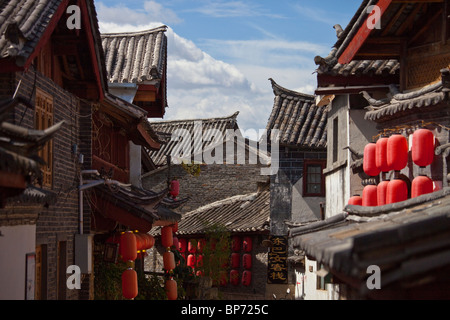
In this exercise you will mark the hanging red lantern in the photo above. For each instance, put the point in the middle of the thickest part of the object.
(174, 188)
(369, 197)
(167, 236)
(422, 149)
(381, 155)
(129, 284)
(246, 278)
(382, 192)
(247, 244)
(182, 244)
(247, 261)
(397, 152)
(168, 260)
(355, 200)
(192, 246)
(236, 244)
(421, 185)
(234, 277)
(369, 163)
(201, 245)
(128, 246)
(140, 242)
(396, 191)
(171, 289)
(191, 261)
(235, 260)
(175, 227)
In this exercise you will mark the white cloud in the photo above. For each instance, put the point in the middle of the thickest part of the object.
(231, 9)
(201, 86)
(151, 11)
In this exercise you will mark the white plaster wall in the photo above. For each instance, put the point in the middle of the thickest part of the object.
(15, 243)
(310, 282)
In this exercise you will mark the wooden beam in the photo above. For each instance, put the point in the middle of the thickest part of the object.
(361, 35)
(92, 49)
(393, 20)
(12, 180)
(152, 143)
(428, 22)
(410, 20)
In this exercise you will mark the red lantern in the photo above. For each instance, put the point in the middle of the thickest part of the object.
(175, 227)
(200, 245)
(422, 149)
(247, 244)
(382, 192)
(129, 284)
(381, 155)
(397, 152)
(234, 277)
(169, 260)
(236, 244)
(191, 261)
(171, 289)
(247, 261)
(421, 185)
(140, 242)
(182, 245)
(192, 246)
(355, 200)
(151, 240)
(369, 163)
(369, 197)
(235, 260)
(246, 278)
(396, 191)
(167, 236)
(128, 246)
(174, 188)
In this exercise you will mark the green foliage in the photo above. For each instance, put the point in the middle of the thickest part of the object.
(216, 253)
(108, 279)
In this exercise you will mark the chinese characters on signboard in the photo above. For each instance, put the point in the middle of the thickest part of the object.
(277, 260)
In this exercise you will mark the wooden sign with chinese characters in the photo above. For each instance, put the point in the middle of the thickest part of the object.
(277, 260)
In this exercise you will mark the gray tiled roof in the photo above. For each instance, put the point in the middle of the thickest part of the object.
(134, 57)
(166, 128)
(242, 213)
(31, 17)
(427, 96)
(300, 121)
(403, 239)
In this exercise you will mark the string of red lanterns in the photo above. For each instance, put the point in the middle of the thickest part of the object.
(389, 154)
(167, 240)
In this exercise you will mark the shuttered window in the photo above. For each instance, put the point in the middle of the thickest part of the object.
(44, 119)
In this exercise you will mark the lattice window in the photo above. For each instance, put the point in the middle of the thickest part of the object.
(43, 119)
(425, 71)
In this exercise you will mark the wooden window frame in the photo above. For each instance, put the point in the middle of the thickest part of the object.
(43, 119)
(306, 164)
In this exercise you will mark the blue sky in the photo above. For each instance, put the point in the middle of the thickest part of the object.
(222, 53)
